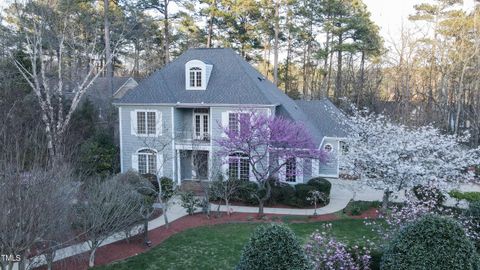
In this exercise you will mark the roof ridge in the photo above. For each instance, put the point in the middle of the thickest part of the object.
(239, 60)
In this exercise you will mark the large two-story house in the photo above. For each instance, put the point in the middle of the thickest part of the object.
(169, 122)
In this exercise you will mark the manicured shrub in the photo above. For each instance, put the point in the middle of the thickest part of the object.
(321, 184)
(302, 194)
(189, 202)
(355, 208)
(468, 196)
(273, 247)
(427, 193)
(471, 223)
(283, 193)
(431, 242)
(246, 193)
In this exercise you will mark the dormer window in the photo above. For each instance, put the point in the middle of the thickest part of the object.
(197, 74)
(195, 77)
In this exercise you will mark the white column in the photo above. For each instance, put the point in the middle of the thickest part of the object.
(179, 169)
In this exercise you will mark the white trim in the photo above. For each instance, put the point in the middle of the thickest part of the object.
(199, 105)
(173, 143)
(159, 158)
(120, 137)
(210, 155)
(203, 72)
(158, 123)
(179, 168)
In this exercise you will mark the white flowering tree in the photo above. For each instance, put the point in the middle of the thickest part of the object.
(394, 157)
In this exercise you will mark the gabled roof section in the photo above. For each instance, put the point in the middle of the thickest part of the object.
(327, 118)
(230, 82)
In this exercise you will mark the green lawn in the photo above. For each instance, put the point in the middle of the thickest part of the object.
(220, 246)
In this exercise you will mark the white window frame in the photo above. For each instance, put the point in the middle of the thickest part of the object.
(158, 123)
(158, 170)
(237, 120)
(204, 135)
(198, 67)
(295, 176)
(238, 158)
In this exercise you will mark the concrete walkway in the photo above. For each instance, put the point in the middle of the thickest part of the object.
(175, 212)
(340, 196)
(341, 193)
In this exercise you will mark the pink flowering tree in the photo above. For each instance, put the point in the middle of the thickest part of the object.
(267, 143)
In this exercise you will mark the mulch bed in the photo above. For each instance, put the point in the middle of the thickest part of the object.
(122, 249)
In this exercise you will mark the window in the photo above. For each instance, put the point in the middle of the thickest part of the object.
(234, 121)
(195, 77)
(147, 161)
(238, 167)
(146, 123)
(328, 148)
(291, 170)
(307, 167)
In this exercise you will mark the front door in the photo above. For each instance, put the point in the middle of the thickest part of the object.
(200, 164)
(201, 126)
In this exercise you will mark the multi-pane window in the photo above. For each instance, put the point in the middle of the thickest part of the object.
(239, 167)
(234, 123)
(201, 126)
(195, 77)
(146, 123)
(290, 170)
(147, 162)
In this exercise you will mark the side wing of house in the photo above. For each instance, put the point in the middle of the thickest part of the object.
(330, 168)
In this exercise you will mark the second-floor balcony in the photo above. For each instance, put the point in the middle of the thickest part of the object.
(192, 138)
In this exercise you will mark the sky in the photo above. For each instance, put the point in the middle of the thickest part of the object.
(390, 14)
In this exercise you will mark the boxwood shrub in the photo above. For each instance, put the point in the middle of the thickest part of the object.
(321, 184)
(274, 247)
(284, 193)
(431, 242)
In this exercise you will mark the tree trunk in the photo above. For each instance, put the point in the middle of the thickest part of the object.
(385, 200)
(261, 201)
(91, 258)
(227, 205)
(165, 217)
(362, 79)
(275, 45)
(338, 82)
(166, 41)
(210, 23)
(108, 55)
(145, 231)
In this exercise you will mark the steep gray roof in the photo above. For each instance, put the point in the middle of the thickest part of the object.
(229, 82)
(232, 81)
(327, 118)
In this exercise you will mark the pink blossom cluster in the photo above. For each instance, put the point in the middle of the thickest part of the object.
(326, 253)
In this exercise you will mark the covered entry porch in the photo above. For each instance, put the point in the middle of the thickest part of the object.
(193, 165)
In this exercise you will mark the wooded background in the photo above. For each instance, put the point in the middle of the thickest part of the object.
(427, 74)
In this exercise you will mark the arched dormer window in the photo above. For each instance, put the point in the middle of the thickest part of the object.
(195, 77)
(197, 74)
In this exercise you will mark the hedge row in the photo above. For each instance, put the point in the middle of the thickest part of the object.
(284, 193)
